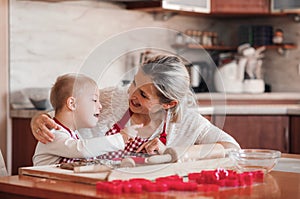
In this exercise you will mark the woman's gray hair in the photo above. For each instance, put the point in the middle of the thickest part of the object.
(172, 80)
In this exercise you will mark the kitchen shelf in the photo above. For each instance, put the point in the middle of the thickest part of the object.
(283, 46)
(198, 46)
(230, 48)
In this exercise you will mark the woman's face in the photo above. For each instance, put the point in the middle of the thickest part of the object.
(143, 97)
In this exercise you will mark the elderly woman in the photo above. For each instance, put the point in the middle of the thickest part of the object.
(159, 98)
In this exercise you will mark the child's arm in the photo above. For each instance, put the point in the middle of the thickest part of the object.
(130, 132)
(65, 146)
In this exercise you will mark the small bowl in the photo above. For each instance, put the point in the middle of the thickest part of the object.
(255, 159)
(42, 104)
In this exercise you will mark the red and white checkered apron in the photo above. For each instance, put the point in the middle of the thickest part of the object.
(130, 147)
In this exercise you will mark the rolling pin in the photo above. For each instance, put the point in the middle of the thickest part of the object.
(192, 153)
(94, 168)
(183, 154)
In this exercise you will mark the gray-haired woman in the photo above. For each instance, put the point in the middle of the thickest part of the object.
(160, 98)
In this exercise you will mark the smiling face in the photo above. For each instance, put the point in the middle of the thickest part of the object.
(87, 107)
(143, 97)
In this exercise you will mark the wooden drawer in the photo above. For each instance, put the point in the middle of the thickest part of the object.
(240, 6)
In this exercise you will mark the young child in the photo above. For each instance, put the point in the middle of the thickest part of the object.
(75, 99)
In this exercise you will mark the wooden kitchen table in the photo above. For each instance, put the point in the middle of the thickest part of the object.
(277, 184)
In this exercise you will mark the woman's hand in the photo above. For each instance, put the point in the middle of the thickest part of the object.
(153, 147)
(41, 125)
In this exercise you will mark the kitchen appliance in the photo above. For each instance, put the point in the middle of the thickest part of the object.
(201, 76)
(201, 6)
(242, 74)
(229, 78)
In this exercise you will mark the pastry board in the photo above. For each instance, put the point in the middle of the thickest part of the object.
(150, 172)
(56, 173)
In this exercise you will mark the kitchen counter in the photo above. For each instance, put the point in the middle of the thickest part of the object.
(277, 109)
(224, 107)
(274, 109)
(24, 113)
(276, 103)
(248, 96)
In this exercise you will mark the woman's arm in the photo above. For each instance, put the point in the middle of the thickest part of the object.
(228, 145)
(41, 124)
(195, 129)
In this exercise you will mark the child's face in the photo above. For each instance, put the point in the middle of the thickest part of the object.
(88, 108)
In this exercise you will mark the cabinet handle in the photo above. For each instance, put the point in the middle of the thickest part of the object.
(287, 140)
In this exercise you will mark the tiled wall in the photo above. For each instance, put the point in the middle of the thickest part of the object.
(48, 39)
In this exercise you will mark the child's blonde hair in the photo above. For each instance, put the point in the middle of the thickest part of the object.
(66, 86)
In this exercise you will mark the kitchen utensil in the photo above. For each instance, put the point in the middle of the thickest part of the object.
(184, 154)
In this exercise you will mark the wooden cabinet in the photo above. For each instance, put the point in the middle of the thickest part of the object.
(23, 144)
(217, 7)
(240, 7)
(257, 131)
(221, 7)
(295, 134)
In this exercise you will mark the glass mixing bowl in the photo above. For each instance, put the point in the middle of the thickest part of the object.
(254, 159)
